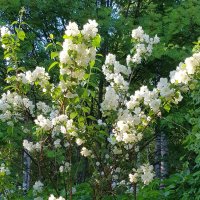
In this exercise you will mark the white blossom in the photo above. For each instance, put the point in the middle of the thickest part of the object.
(79, 141)
(72, 29)
(4, 30)
(38, 187)
(111, 100)
(133, 178)
(44, 123)
(52, 197)
(85, 152)
(57, 143)
(90, 29)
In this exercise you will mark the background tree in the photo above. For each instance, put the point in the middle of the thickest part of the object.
(176, 22)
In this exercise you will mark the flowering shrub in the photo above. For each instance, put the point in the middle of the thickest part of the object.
(57, 119)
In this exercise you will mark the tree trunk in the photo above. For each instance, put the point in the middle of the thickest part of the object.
(26, 172)
(157, 153)
(161, 153)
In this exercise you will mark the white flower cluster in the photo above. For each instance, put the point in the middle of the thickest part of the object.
(57, 124)
(183, 72)
(114, 72)
(43, 107)
(116, 150)
(65, 88)
(52, 197)
(79, 141)
(90, 29)
(152, 98)
(101, 123)
(44, 123)
(38, 75)
(72, 29)
(31, 147)
(164, 88)
(78, 74)
(111, 100)
(65, 168)
(57, 143)
(79, 53)
(85, 152)
(133, 115)
(143, 101)
(115, 172)
(112, 139)
(4, 30)
(145, 172)
(13, 105)
(38, 187)
(4, 170)
(125, 129)
(143, 47)
(118, 184)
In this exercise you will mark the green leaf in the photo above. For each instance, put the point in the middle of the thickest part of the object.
(93, 94)
(51, 36)
(65, 76)
(23, 69)
(10, 69)
(92, 63)
(67, 37)
(81, 119)
(96, 41)
(49, 45)
(73, 115)
(91, 117)
(15, 22)
(54, 54)
(7, 55)
(86, 109)
(10, 130)
(51, 154)
(53, 65)
(21, 35)
(86, 76)
(167, 107)
(9, 87)
(59, 44)
(96, 69)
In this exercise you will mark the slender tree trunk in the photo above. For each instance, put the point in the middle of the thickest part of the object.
(26, 171)
(161, 154)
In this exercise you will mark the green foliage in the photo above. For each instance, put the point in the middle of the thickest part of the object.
(83, 192)
(176, 22)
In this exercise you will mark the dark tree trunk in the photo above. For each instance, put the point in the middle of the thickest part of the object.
(26, 171)
(157, 153)
(161, 154)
